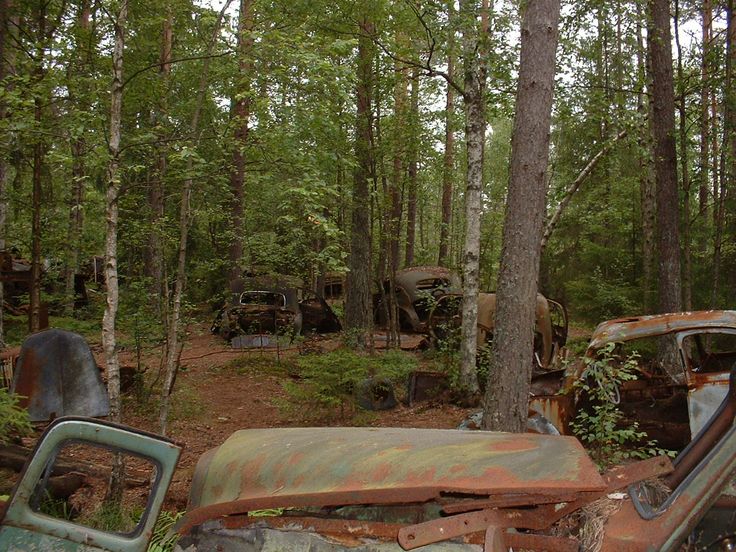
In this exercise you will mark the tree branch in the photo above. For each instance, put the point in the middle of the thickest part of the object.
(575, 185)
(171, 62)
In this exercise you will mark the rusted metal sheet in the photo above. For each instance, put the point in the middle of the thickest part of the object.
(339, 466)
(627, 329)
(57, 376)
(627, 531)
(425, 385)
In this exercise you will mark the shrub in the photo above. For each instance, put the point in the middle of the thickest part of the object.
(13, 419)
(601, 427)
(328, 381)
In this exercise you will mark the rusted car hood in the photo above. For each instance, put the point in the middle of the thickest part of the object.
(265, 468)
(637, 327)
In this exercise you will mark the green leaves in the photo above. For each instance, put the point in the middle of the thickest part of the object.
(600, 424)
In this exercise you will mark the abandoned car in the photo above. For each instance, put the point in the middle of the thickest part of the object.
(390, 489)
(268, 308)
(415, 290)
(550, 332)
(670, 402)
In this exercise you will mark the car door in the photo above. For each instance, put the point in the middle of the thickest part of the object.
(28, 525)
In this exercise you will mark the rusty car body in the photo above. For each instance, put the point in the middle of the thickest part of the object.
(670, 403)
(550, 332)
(390, 489)
(415, 289)
(274, 306)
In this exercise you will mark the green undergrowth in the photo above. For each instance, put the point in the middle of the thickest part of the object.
(258, 364)
(326, 382)
(13, 419)
(601, 427)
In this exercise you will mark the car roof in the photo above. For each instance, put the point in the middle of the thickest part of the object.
(637, 327)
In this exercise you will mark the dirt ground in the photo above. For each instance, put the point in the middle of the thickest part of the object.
(213, 399)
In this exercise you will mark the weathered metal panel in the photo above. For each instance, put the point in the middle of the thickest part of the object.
(24, 528)
(627, 531)
(58, 376)
(627, 329)
(263, 468)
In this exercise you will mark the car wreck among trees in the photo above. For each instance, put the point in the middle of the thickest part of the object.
(272, 307)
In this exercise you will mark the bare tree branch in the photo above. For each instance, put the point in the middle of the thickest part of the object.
(575, 186)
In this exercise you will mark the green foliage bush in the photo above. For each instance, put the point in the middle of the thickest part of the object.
(601, 428)
(328, 380)
(13, 419)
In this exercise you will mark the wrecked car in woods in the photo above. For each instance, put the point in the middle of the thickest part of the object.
(550, 332)
(415, 290)
(670, 403)
(271, 307)
(391, 489)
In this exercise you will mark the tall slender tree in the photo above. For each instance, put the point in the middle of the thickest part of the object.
(112, 195)
(358, 308)
(512, 355)
(241, 117)
(448, 172)
(476, 69)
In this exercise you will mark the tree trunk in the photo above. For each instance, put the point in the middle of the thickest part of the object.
(79, 169)
(646, 173)
(665, 166)
(358, 308)
(705, 93)
(241, 115)
(109, 344)
(411, 204)
(475, 127)
(448, 174)
(39, 155)
(512, 354)
(665, 158)
(173, 332)
(687, 298)
(5, 12)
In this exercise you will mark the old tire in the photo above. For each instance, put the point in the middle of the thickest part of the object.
(375, 394)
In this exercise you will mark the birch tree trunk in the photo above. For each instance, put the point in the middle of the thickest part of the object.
(512, 352)
(109, 344)
(475, 126)
(411, 203)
